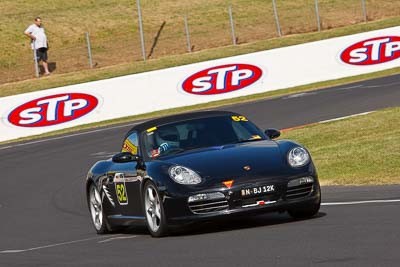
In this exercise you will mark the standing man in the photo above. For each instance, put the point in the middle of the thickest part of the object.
(39, 42)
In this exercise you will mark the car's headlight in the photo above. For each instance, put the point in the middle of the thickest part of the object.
(298, 157)
(183, 175)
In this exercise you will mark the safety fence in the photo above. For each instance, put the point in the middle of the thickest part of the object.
(196, 29)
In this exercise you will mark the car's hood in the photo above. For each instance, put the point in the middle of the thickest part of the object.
(260, 158)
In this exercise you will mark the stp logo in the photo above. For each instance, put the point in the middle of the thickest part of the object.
(222, 79)
(372, 51)
(52, 110)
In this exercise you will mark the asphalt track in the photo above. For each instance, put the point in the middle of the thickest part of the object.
(44, 220)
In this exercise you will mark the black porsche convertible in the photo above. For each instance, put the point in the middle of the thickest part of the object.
(200, 166)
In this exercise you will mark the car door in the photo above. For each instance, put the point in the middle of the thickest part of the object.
(127, 180)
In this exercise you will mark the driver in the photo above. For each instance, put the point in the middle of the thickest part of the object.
(166, 139)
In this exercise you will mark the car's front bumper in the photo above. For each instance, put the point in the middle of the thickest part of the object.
(178, 209)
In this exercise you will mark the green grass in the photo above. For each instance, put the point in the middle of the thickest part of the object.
(363, 150)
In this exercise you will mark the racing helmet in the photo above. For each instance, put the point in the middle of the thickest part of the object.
(168, 135)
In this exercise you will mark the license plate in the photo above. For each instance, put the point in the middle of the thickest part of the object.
(258, 190)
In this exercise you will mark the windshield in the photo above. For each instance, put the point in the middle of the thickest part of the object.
(199, 133)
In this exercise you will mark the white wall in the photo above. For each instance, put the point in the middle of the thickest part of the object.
(157, 90)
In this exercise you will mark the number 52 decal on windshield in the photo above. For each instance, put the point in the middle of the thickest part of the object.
(239, 118)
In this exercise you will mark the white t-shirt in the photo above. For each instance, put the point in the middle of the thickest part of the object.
(38, 32)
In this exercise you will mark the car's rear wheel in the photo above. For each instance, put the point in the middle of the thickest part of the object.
(154, 210)
(96, 211)
(307, 211)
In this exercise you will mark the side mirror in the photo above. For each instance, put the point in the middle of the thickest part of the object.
(273, 133)
(125, 157)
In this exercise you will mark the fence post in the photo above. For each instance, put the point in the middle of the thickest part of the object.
(317, 15)
(189, 44)
(35, 59)
(9, 79)
(278, 26)
(89, 50)
(364, 10)
(232, 26)
(141, 30)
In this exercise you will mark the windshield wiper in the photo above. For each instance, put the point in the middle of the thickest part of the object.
(249, 140)
(173, 151)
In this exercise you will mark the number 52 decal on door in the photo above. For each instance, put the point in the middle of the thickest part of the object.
(120, 188)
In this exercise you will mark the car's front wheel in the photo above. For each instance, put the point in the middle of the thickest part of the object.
(96, 211)
(154, 210)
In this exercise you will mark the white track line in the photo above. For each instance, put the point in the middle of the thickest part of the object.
(309, 93)
(360, 202)
(49, 246)
(299, 95)
(68, 136)
(346, 117)
(116, 238)
(382, 85)
(348, 87)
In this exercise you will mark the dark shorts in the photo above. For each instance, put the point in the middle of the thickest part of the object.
(41, 54)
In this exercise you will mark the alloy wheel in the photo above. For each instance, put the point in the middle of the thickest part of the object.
(153, 208)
